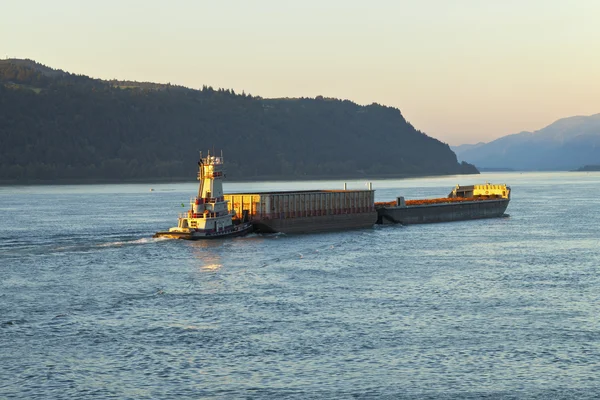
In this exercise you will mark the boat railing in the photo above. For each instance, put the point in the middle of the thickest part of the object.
(215, 199)
(212, 160)
(204, 215)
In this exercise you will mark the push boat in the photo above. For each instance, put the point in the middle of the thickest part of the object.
(209, 216)
(463, 203)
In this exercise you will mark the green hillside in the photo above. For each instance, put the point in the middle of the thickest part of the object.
(56, 126)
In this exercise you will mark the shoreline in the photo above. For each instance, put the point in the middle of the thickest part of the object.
(53, 182)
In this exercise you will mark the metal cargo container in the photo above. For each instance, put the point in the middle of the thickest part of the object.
(305, 211)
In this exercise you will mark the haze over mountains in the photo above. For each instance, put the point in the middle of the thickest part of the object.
(567, 144)
(57, 127)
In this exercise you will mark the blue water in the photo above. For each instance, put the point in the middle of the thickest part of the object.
(92, 307)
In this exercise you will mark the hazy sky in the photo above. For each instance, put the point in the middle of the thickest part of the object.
(462, 71)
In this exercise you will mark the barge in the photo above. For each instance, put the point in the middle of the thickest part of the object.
(306, 211)
(209, 216)
(463, 203)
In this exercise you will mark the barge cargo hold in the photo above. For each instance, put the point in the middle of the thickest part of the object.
(306, 211)
(463, 203)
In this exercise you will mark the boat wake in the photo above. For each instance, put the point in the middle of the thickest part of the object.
(16, 248)
(122, 243)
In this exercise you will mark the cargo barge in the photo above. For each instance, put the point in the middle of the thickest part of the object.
(463, 203)
(306, 211)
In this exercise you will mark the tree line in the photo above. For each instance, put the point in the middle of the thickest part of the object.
(56, 126)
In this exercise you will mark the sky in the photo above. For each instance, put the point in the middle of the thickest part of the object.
(462, 71)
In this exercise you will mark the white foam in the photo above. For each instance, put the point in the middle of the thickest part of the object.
(133, 242)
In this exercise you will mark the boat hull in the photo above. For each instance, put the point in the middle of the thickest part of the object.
(239, 230)
(314, 224)
(443, 212)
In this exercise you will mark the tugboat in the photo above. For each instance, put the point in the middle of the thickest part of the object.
(209, 216)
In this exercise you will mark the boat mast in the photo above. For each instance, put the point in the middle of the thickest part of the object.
(200, 175)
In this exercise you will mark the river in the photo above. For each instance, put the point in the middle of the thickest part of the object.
(92, 307)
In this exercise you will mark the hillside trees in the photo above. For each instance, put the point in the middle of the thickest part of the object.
(71, 127)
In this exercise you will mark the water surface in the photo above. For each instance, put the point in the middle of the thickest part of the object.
(92, 307)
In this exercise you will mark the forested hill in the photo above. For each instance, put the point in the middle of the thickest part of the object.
(56, 126)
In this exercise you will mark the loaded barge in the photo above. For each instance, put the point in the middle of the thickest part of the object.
(463, 203)
(328, 210)
(305, 211)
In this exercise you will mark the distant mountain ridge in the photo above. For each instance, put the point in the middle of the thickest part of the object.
(464, 147)
(56, 127)
(564, 145)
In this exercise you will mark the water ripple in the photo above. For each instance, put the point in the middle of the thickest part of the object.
(492, 309)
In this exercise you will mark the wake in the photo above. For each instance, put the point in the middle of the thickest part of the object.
(134, 242)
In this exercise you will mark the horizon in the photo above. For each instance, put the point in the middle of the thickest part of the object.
(461, 73)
